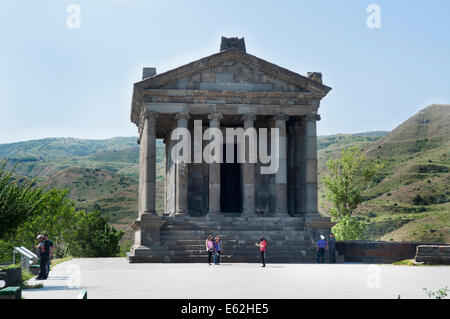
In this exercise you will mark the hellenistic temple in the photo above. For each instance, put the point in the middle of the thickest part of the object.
(229, 89)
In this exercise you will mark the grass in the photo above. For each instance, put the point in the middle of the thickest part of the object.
(125, 247)
(27, 276)
(10, 266)
(57, 261)
(407, 262)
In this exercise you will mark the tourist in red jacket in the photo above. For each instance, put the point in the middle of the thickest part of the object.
(262, 248)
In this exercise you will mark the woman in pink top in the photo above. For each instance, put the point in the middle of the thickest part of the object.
(209, 248)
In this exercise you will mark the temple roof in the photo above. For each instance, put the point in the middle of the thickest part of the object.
(312, 84)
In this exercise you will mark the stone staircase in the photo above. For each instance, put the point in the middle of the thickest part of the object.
(183, 239)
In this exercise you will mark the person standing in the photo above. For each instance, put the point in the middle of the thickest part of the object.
(332, 248)
(51, 247)
(321, 246)
(217, 250)
(209, 248)
(43, 258)
(262, 248)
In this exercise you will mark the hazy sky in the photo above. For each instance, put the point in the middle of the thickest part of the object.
(62, 82)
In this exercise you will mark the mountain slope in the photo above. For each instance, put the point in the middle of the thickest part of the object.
(51, 148)
(413, 188)
(415, 185)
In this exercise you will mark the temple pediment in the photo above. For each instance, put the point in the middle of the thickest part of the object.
(234, 70)
(229, 71)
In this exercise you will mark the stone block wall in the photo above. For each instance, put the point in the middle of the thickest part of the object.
(433, 254)
(376, 252)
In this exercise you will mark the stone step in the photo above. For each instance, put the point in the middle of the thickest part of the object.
(237, 242)
(201, 242)
(249, 246)
(242, 259)
(239, 253)
(234, 220)
(236, 233)
(239, 222)
(234, 227)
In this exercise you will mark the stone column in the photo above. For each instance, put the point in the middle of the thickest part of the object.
(214, 172)
(290, 169)
(147, 227)
(166, 195)
(148, 166)
(248, 172)
(181, 193)
(311, 162)
(299, 167)
(281, 174)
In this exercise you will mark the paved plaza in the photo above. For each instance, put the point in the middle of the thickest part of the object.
(115, 278)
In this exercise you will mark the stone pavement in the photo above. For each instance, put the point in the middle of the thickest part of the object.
(115, 278)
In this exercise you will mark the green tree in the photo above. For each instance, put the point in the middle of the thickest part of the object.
(94, 237)
(17, 201)
(347, 178)
(26, 211)
(57, 217)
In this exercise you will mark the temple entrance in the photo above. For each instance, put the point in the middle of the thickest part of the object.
(230, 184)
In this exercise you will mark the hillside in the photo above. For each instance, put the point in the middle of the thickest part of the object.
(409, 202)
(44, 157)
(107, 179)
(51, 148)
(413, 197)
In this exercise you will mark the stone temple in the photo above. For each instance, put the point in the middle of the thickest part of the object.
(229, 89)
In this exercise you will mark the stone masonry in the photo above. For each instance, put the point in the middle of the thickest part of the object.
(229, 89)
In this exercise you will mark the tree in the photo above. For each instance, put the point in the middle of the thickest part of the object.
(17, 201)
(56, 217)
(94, 237)
(348, 177)
(26, 211)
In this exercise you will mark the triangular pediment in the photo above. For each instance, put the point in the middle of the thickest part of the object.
(233, 70)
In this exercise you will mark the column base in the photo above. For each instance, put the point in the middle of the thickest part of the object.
(147, 244)
(144, 254)
(280, 214)
(180, 213)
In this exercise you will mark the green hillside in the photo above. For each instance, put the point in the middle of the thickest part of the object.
(411, 200)
(415, 191)
(51, 148)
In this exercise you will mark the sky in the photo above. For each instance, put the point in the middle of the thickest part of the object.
(60, 81)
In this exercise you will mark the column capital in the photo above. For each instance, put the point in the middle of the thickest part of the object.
(312, 117)
(182, 116)
(281, 117)
(150, 115)
(249, 117)
(215, 116)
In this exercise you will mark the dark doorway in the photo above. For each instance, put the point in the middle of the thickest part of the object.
(230, 184)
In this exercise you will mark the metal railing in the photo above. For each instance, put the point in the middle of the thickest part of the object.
(27, 257)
